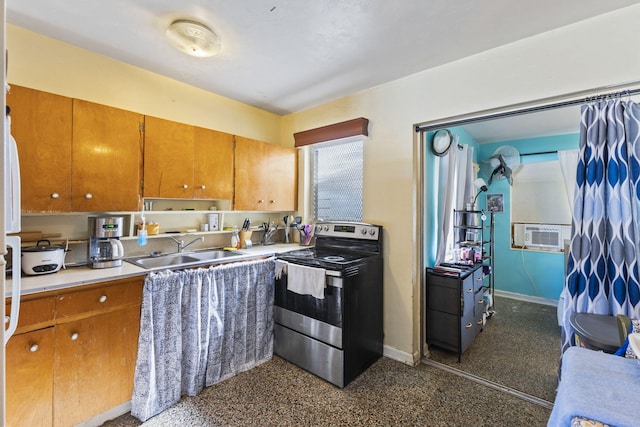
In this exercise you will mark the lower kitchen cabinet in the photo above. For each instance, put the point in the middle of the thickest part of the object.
(94, 362)
(83, 364)
(29, 378)
(455, 305)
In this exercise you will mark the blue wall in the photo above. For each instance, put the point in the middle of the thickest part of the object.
(538, 274)
(431, 220)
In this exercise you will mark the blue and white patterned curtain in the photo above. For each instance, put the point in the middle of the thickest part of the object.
(199, 327)
(602, 272)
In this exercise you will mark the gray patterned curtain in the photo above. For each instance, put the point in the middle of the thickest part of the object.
(602, 272)
(199, 327)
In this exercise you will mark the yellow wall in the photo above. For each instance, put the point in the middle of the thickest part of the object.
(553, 63)
(43, 63)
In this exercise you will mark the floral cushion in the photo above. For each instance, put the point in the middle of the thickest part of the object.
(585, 422)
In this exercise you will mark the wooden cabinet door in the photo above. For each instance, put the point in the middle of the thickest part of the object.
(29, 379)
(252, 178)
(213, 165)
(41, 124)
(107, 158)
(168, 159)
(94, 363)
(283, 178)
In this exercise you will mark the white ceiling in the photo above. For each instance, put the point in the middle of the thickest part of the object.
(284, 56)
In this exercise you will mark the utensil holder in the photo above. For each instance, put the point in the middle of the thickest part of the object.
(245, 239)
(305, 239)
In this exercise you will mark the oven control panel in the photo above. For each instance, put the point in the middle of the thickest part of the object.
(353, 230)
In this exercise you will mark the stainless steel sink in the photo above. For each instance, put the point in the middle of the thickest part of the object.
(182, 259)
(214, 254)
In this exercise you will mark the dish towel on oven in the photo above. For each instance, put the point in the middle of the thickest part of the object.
(306, 280)
(281, 267)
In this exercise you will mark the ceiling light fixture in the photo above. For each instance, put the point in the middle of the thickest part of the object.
(193, 38)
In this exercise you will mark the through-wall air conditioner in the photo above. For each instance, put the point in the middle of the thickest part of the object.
(543, 236)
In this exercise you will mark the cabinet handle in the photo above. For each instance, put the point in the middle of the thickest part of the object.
(103, 298)
(33, 348)
(202, 187)
(480, 301)
(272, 201)
(468, 325)
(185, 186)
(55, 195)
(479, 322)
(469, 290)
(260, 201)
(88, 196)
(74, 336)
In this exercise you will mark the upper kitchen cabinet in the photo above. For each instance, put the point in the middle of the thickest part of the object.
(75, 155)
(266, 176)
(107, 158)
(41, 123)
(213, 165)
(186, 162)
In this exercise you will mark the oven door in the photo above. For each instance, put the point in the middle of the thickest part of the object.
(327, 310)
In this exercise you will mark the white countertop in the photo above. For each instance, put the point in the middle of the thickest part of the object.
(75, 276)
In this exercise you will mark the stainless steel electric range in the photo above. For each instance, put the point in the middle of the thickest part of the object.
(338, 333)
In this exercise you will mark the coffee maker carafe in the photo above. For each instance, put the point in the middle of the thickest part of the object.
(105, 247)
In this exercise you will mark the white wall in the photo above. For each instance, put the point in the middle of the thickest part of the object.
(550, 64)
(554, 63)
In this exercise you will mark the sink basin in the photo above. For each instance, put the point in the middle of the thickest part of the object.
(214, 254)
(179, 260)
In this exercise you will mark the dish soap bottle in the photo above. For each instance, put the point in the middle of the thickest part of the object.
(235, 239)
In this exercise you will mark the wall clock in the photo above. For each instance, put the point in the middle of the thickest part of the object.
(441, 142)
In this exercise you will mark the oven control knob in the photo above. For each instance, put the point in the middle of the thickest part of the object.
(372, 231)
(325, 228)
(364, 231)
(318, 228)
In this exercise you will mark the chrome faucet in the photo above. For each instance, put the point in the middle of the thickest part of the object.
(182, 246)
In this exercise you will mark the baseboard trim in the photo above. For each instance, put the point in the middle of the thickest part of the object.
(401, 356)
(527, 298)
(111, 414)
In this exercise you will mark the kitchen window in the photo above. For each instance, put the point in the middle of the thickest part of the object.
(337, 179)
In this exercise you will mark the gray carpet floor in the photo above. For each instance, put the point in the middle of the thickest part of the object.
(518, 348)
(278, 393)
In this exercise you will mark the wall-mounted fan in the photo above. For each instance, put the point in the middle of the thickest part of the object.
(501, 165)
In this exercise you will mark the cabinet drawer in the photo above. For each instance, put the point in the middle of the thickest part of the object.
(468, 298)
(438, 280)
(443, 329)
(34, 314)
(102, 298)
(477, 279)
(444, 299)
(468, 332)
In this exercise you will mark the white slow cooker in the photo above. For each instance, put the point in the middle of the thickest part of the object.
(43, 258)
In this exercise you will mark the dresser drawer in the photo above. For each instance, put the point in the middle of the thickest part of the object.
(477, 279)
(103, 298)
(443, 329)
(468, 332)
(445, 299)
